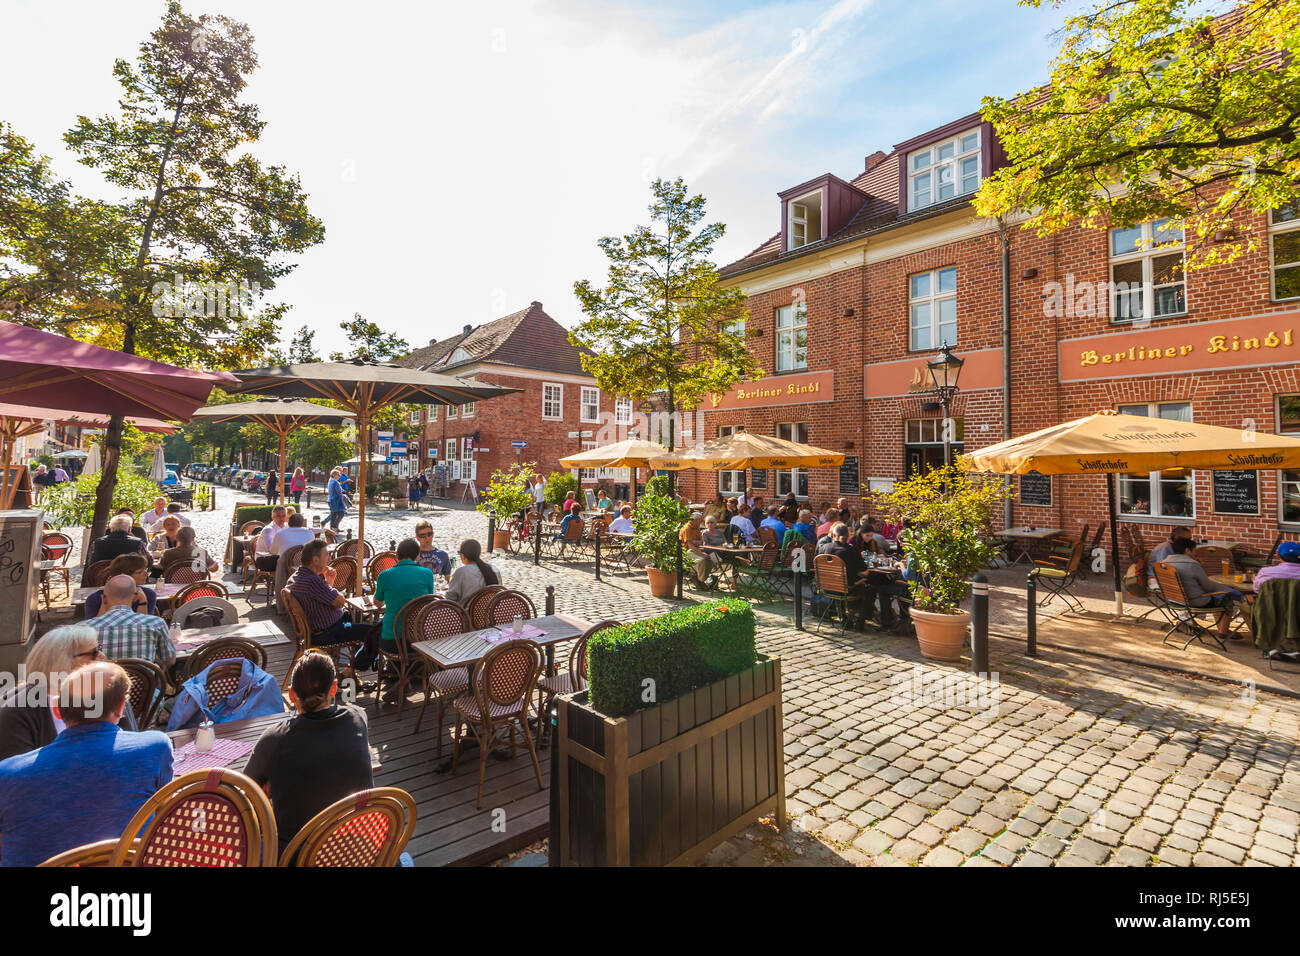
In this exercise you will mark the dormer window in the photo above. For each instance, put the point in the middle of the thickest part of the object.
(944, 170)
(805, 215)
(460, 355)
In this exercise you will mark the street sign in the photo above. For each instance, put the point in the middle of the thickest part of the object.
(575, 434)
(397, 449)
(519, 443)
(383, 436)
(587, 434)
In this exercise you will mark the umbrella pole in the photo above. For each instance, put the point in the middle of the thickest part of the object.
(1114, 544)
(6, 450)
(363, 421)
(279, 464)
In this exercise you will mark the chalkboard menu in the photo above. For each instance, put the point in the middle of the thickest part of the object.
(1236, 492)
(758, 479)
(1036, 489)
(850, 484)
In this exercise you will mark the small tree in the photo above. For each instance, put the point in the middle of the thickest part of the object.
(71, 504)
(558, 486)
(508, 492)
(950, 538)
(656, 522)
(663, 323)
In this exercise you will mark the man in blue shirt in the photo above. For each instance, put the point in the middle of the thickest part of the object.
(398, 586)
(337, 502)
(90, 781)
(575, 514)
(775, 523)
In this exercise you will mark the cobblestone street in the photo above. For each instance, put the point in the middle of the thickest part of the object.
(1066, 759)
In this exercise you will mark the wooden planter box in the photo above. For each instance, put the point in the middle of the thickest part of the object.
(665, 785)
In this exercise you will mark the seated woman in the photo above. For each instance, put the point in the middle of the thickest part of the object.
(602, 501)
(472, 575)
(322, 755)
(137, 566)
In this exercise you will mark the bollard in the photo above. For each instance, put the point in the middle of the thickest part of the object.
(798, 600)
(537, 545)
(392, 544)
(1031, 631)
(679, 567)
(598, 554)
(492, 532)
(550, 599)
(349, 534)
(979, 639)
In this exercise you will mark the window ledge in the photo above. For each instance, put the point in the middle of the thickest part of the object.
(1121, 323)
(1155, 519)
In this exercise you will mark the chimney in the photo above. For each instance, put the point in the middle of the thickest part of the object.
(433, 341)
(536, 303)
(469, 329)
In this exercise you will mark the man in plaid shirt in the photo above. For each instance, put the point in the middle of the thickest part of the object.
(124, 633)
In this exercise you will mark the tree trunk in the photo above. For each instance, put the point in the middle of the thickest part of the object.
(107, 477)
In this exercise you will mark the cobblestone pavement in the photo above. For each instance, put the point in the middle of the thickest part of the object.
(1067, 759)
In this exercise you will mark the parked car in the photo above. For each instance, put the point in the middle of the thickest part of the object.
(210, 474)
(236, 477)
(255, 481)
(223, 476)
(197, 469)
(171, 480)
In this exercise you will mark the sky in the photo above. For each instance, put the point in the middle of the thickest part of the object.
(466, 158)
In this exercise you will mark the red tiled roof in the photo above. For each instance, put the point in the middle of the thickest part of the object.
(528, 338)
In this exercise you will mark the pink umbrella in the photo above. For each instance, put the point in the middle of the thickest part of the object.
(41, 369)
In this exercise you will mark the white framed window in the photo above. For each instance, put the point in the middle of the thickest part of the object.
(466, 449)
(552, 401)
(791, 337)
(587, 474)
(944, 171)
(1288, 490)
(413, 418)
(467, 410)
(431, 411)
(589, 406)
(1284, 252)
(1162, 495)
(623, 411)
(730, 482)
(932, 309)
(453, 412)
(793, 479)
(1146, 271)
(805, 220)
(451, 450)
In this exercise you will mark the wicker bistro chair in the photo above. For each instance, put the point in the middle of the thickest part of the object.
(95, 574)
(304, 638)
(348, 549)
(440, 619)
(224, 648)
(212, 817)
(499, 702)
(91, 854)
(1179, 611)
(571, 681)
(504, 605)
(1059, 580)
(832, 587)
(345, 574)
(378, 564)
(477, 606)
(182, 573)
(369, 828)
(410, 667)
(194, 591)
(292, 558)
(57, 547)
(148, 684)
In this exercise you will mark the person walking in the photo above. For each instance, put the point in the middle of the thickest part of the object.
(337, 498)
(297, 485)
(272, 485)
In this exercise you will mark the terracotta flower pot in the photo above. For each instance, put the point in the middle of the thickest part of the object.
(662, 583)
(500, 540)
(941, 636)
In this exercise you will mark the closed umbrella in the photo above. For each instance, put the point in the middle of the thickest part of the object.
(158, 470)
(1108, 443)
(92, 461)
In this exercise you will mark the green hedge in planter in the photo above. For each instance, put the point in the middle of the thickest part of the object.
(679, 651)
(260, 513)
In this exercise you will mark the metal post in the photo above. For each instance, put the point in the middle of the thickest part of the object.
(679, 567)
(492, 532)
(798, 600)
(979, 640)
(550, 599)
(537, 545)
(1031, 632)
(597, 529)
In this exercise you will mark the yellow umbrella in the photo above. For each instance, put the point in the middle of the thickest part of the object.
(1109, 443)
(748, 450)
(631, 453)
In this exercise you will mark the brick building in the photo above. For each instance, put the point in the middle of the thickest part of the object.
(558, 410)
(865, 279)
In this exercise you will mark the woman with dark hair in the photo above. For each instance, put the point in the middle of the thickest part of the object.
(307, 762)
(790, 509)
(472, 575)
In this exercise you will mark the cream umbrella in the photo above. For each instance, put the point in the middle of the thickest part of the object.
(630, 453)
(158, 470)
(748, 450)
(93, 463)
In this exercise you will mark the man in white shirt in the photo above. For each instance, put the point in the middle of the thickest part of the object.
(151, 518)
(294, 534)
(623, 523)
(741, 521)
(263, 548)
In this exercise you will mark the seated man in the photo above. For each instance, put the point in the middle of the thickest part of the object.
(431, 556)
(1200, 590)
(187, 552)
(886, 591)
(773, 522)
(707, 563)
(264, 553)
(575, 514)
(127, 633)
(312, 585)
(152, 517)
(90, 781)
(803, 528)
(118, 540)
(136, 529)
(860, 592)
(399, 585)
(1288, 566)
(741, 521)
(137, 566)
(294, 534)
(307, 762)
(1163, 550)
(623, 523)
(175, 509)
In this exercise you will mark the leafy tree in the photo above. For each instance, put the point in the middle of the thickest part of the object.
(1157, 109)
(662, 322)
(199, 216)
(368, 341)
(558, 486)
(317, 447)
(302, 349)
(508, 493)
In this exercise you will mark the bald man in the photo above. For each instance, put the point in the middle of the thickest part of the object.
(125, 633)
(87, 783)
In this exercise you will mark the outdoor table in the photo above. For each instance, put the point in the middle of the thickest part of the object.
(1029, 536)
(363, 605)
(1226, 581)
(247, 730)
(259, 632)
(165, 593)
(732, 556)
(1226, 545)
(1247, 589)
(460, 650)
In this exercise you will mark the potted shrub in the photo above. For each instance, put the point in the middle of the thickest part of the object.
(656, 522)
(558, 486)
(949, 539)
(506, 495)
(676, 745)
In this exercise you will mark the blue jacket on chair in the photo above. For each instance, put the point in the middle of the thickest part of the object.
(256, 695)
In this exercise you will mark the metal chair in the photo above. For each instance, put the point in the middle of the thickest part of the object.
(503, 605)
(762, 572)
(56, 547)
(409, 666)
(477, 606)
(369, 828)
(831, 586)
(1179, 611)
(440, 619)
(1212, 558)
(1255, 562)
(1058, 581)
(148, 684)
(499, 702)
(212, 817)
(223, 648)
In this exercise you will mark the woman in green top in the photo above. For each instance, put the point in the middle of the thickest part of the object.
(602, 501)
(401, 583)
